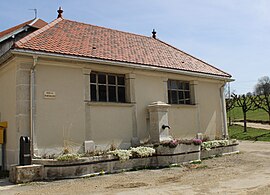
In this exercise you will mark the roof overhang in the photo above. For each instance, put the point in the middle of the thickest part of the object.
(119, 63)
(15, 32)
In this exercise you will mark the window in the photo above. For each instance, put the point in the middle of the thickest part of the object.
(107, 87)
(179, 92)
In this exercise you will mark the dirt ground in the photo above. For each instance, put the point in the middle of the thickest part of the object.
(245, 173)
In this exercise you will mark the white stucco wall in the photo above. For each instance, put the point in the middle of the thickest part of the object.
(70, 119)
(111, 124)
(183, 120)
(8, 110)
(210, 109)
(60, 121)
(148, 89)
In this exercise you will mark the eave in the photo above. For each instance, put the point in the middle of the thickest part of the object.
(119, 63)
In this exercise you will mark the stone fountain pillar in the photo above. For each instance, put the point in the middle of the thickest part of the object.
(158, 117)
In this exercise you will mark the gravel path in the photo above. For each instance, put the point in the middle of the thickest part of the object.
(247, 173)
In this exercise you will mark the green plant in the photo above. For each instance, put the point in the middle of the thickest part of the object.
(68, 157)
(215, 143)
(133, 152)
(121, 154)
(196, 162)
(142, 151)
(175, 142)
(66, 151)
(94, 153)
(113, 147)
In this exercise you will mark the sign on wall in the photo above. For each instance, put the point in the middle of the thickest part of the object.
(49, 95)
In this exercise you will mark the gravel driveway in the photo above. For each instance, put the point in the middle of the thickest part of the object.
(244, 173)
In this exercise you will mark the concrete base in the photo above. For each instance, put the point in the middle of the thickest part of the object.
(222, 150)
(49, 169)
(28, 173)
(179, 149)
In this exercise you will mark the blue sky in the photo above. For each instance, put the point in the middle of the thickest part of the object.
(231, 35)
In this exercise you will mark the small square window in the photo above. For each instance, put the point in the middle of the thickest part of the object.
(93, 78)
(120, 80)
(112, 93)
(111, 79)
(93, 90)
(174, 85)
(102, 93)
(102, 79)
(186, 86)
(121, 94)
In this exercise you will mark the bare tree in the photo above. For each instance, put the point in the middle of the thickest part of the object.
(230, 104)
(263, 86)
(246, 103)
(263, 102)
(262, 91)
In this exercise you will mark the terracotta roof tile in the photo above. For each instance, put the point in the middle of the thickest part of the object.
(73, 38)
(37, 24)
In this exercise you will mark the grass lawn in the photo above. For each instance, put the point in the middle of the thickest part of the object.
(236, 132)
(258, 114)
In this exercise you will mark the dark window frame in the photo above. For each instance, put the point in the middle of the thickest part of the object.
(114, 90)
(179, 92)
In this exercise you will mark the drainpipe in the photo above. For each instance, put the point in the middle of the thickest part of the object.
(32, 99)
(223, 108)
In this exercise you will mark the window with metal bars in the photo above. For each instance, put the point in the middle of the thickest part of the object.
(106, 87)
(179, 92)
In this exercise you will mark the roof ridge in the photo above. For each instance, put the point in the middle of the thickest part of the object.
(110, 29)
(37, 32)
(193, 57)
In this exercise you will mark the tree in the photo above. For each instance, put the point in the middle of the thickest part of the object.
(246, 103)
(263, 86)
(230, 104)
(262, 90)
(249, 94)
(263, 102)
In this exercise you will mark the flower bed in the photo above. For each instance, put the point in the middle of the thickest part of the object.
(178, 147)
(163, 154)
(208, 145)
(214, 148)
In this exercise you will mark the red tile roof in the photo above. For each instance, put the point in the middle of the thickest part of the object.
(37, 24)
(73, 38)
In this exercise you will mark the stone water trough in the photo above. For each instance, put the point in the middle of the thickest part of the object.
(51, 169)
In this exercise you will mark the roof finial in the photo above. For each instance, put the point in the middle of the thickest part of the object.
(60, 11)
(154, 33)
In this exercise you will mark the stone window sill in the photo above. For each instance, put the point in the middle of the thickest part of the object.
(112, 104)
(183, 105)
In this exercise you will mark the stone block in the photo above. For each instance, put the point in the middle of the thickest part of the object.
(135, 141)
(181, 148)
(23, 76)
(52, 172)
(89, 146)
(28, 173)
(22, 92)
(235, 148)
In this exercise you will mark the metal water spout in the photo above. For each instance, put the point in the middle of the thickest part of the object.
(165, 126)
